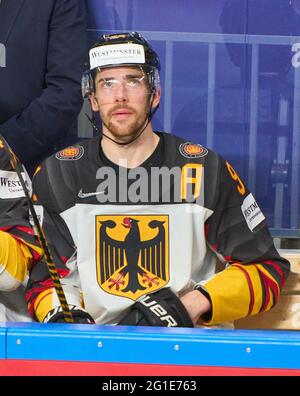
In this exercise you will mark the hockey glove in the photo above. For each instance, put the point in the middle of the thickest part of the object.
(79, 316)
(162, 308)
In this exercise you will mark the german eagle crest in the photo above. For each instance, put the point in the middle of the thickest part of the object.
(132, 253)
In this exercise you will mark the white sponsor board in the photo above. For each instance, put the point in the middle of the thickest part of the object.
(117, 54)
(251, 211)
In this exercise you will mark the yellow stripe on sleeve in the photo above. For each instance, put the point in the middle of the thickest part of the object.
(15, 257)
(235, 293)
(43, 304)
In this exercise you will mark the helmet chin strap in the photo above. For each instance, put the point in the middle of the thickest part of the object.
(139, 132)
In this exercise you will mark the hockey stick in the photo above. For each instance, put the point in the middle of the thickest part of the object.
(42, 239)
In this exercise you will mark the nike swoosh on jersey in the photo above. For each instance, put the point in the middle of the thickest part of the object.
(82, 194)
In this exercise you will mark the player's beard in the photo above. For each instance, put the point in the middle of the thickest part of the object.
(125, 131)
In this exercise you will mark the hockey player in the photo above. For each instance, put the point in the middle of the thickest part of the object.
(135, 217)
(19, 248)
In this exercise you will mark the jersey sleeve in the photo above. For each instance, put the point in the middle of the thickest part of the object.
(14, 207)
(19, 247)
(238, 233)
(41, 295)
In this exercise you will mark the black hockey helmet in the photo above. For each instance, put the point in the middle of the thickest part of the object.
(122, 49)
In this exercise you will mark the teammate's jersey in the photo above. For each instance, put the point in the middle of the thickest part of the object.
(14, 218)
(118, 233)
(18, 245)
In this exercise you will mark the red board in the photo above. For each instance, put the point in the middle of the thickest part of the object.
(10, 367)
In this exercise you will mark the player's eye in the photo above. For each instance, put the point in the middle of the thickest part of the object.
(134, 82)
(108, 83)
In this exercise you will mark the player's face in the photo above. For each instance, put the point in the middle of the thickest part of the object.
(122, 98)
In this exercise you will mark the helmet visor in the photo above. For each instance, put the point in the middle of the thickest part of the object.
(132, 85)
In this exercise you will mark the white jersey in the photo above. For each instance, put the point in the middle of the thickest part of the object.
(118, 234)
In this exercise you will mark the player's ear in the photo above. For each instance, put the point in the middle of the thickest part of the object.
(156, 98)
(94, 103)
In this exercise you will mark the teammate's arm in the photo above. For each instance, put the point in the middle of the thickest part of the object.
(19, 248)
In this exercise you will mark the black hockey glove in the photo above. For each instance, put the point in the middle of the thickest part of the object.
(162, 308)
(79, 316)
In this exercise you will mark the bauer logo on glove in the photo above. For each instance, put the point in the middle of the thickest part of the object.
(162, 308)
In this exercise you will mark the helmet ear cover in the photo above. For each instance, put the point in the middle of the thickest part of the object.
(87, 84)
